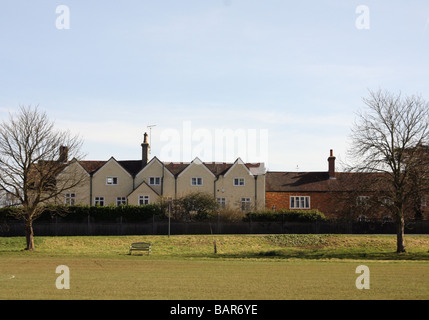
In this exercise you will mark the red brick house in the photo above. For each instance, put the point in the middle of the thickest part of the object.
(336, 194)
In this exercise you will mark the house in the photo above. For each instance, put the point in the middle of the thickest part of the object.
(137, 182)
(336, 194)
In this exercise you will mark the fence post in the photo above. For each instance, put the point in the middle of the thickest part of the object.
(121, 231)
(56, 225)
(89, 225)
(283, 222)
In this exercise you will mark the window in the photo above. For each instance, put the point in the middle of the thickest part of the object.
(424, 202)
(196, 181)
(245, 204)
(143, 200)
(121, 201)
(362, 218)
(302, 202)
(221, 202)
(154, 181)
(238, 181)
(384, 202)
(99, 201)
(362, 200)
(112, 180)
(70, 199)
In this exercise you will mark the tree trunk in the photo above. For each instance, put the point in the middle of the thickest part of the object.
(29, 234)
(400, 225)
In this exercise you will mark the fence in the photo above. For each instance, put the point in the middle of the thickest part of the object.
(56, 227)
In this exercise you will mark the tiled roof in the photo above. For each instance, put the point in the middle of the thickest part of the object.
(134, 166)
(176, 167)
(92, 166)
(316, 181)
(217, 168)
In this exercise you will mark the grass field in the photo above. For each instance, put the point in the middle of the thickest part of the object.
(245, 267)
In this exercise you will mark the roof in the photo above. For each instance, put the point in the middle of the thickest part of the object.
(217, 168)
(315, 181)
(135, 166)
(92, 166)
(131, 166)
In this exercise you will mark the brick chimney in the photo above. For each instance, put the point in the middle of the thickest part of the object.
(331, 161)
(64, 154)
(145, 150)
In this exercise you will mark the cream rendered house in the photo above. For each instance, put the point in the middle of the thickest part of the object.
(235, 185)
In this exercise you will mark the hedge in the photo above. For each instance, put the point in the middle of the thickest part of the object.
(286, 215)
(128, 213)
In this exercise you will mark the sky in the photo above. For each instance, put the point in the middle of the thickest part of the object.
(271, 81)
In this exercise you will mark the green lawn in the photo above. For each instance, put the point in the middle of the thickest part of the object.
(272, 267)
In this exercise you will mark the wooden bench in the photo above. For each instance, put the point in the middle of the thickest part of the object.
(140, 246)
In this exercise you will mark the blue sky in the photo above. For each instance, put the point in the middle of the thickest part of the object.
(287, 77)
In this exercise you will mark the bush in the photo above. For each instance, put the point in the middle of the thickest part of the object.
(195, 206)
(80, 213)
(228, 215)
(8, 213)
(286, 215)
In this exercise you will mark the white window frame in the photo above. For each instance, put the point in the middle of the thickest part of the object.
(424, 201)
(300, 202)
(114, 181)
(221, 202)
(121, 201)
(246, 204)
(362, 201)
(385, 202)
(70, 199)
(239, 182)
(154, 181)
(99, 201)
(196, 181)
(143, 200)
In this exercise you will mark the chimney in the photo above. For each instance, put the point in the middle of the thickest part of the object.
(331, 161)
(145, 150)
(64, 154)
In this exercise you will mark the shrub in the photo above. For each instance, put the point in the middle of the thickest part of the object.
(228, 215)
(286, 215)
(82, 212)
(195, 206)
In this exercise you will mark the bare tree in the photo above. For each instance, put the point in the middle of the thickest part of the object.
(33, 156)
(386, 141)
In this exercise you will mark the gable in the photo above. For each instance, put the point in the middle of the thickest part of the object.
(153, 163)
(112, 167)
(196, 164)
(238, 164)
(142, 187)
(74, 163)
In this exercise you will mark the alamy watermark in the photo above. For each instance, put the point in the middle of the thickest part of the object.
(62, 21)
(362, 22)
(362, 281)
(214, 145)
(63, 18)
(63, 281)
